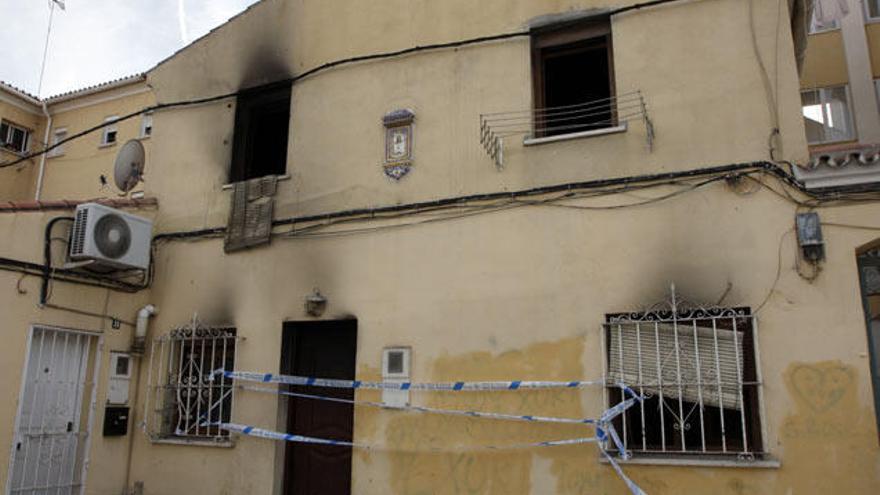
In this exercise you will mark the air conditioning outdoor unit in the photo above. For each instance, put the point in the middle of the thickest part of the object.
(110, 238)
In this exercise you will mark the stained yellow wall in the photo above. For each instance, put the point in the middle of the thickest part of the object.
(825, 61)
(16, 183)
(872, 30)
(507, 295)
(76, 173)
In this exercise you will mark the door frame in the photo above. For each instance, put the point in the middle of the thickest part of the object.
(862, 260)
(96, 367)
(287, 354)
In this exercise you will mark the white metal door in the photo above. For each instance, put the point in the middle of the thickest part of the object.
(49, 447)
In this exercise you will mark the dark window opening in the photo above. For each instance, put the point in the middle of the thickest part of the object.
(573, 78)
(262, 119)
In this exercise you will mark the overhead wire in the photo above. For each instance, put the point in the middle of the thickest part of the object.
(320, 68)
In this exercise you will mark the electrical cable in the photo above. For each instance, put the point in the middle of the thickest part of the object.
(312, 71)
(778, 270)
(625, 183)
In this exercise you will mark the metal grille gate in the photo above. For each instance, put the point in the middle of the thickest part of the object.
(52, 427)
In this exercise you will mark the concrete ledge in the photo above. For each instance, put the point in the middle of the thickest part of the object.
(575, 135)
(687, 461)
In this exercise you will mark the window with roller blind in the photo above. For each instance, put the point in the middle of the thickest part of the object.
(698, 373)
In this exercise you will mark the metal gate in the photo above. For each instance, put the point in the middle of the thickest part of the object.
(52, 427)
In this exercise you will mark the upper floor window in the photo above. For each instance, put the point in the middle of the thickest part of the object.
(147, 125)
(573, 78)
(817, 27)
(872, 10)
(108, 136)
(57, 136)
(14, 137)
(698, 372)
(262, 119)
(827, 114)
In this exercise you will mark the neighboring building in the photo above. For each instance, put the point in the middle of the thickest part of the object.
(441, 192)
(840, 90)
(82, 168)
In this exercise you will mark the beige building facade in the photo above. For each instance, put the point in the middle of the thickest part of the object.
(448, 206)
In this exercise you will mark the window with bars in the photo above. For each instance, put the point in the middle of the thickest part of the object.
(186, 400)
(698, 372)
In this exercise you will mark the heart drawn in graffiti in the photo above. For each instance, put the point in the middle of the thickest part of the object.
(821, 387)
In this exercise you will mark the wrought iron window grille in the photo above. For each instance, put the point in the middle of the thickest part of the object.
(562, 121)
(185, 401)
(698, 369)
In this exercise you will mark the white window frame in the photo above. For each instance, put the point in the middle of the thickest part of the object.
(823, 102)
(171, 411)
(11, 126)
(108, 129)
(58, 135)
(146, 123)
(868, 17)
(877, 92)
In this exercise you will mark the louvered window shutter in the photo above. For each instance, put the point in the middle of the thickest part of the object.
(645, 353)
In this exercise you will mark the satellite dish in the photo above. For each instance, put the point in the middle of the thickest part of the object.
(129, 168)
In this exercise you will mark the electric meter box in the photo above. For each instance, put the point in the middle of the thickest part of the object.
(120, 378)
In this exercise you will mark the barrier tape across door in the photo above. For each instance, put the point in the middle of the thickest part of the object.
(604, 428)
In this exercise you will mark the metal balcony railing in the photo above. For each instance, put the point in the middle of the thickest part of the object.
(569, 120)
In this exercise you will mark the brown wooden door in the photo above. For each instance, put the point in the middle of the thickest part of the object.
(323, 349)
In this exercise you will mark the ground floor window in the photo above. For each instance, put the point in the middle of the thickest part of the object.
(186, 400)
(697, 369)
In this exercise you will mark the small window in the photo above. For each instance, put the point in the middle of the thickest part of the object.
(262, 119)
(108, 137)
(57, 136)
(827, 115)
(14, 137)
(147, 125)
(872, 10)
(698, 373)
(190, 399)
(819, 27)
(573, 78)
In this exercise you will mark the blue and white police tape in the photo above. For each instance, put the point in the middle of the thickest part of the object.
(442, 387)
(288, 437)
(633, 487)
(432, 410)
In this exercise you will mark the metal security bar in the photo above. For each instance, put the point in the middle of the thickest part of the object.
(584, 117)
(186, 402)
(51, 442)
(698, 370)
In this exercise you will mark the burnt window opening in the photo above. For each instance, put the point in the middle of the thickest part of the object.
(698, 374)
(573, 78)
(262, 119)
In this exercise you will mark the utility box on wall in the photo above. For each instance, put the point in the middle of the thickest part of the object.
(395, 369)
(115, 421)
(120, 378)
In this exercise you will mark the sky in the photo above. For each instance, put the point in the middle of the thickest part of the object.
(95, 41)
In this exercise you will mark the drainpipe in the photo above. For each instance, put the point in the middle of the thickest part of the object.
(43, 156)
(140, 329)
(137, 350)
